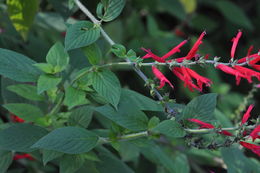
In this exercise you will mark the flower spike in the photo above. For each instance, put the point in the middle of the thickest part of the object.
(247, 114)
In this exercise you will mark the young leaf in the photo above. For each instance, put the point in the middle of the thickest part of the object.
(107, 85)
(74, 97)
(81, 116)
(26, 91)
(22, 13)
(46, 82)
(170, 128)
(81, 34)
(112, 9)
(5, 161)
(201, 107)
(46, 68)
(71, 163)
(71, 140)
(49, 155)
(119, 50)
(20, 137)
(93, 53)
(17, 66)
(25, 111)
(57, 57)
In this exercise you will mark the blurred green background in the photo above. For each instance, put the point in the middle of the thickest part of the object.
(158, 25)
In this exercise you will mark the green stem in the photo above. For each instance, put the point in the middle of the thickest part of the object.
(56, 108)
(146, 133)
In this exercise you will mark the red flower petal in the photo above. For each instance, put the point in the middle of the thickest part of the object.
(226, 133)
(231, 71)
(248, 73)
(151, 55)
(23, 156)
(255, 133)
(252, 147)
(16, 119)
(161, 77)
(235, 42)
(202, 124)
(195, 47)
(200, 79)
(174, 50)
(247, 114)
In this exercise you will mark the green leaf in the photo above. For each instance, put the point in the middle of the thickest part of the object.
(153, 122)
(140, 101)
(71, 163)
(57, 57)
(240, 164)
(112, 9)
(170, 128)
(46, 82)
(81, 116)
(20, 137)
(119, 50)
(202, 22)
(93, 53)
(49, 155)
(22, 13)
(27, 112)
(126, 116)
(5, 161)
(181, 163)
(234, 14)
(81, 34)
(47, 68)
(107, 85)
(26, 91)
(201, 107)
(110, 163)
(71, 140)
(74, 97)
(17, 66)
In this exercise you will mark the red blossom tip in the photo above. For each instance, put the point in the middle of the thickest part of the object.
(161, 77)
(255, 133)
(23, 156)
(252, 147)
(195, 47)
(202, 124)
(235, 42)
(247, 114)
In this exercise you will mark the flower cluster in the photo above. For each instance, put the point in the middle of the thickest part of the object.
(255, 134)
(193, 80)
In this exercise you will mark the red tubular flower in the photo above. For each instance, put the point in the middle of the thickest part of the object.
(209, 126)
(255, 133)
(23, 156)
(231, 71)
(195, 47)
(151, 55)
(200, 79)
(161, 77)
(257, 67)
(202, 124)
(248, 58)
(167, 55)
(235, 42)
(183, 75)
(255, 60)
(252, 147)
(247, 72)
(16, 119)
(250, 49)
(174, 50)
(247, 114)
